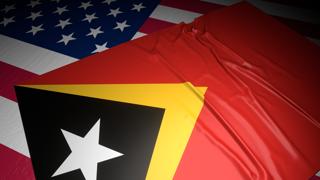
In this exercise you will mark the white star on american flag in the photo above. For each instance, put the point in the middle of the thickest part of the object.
(34, 3)
(121, 26)
(90, 17)
(6, 21)
(100, 48)
(115, 12)
(94, 32)
(8, 8)
(63, 23)
(66, 38)
(35, 29)
(61, 10)
(85, 5)
(108, 1)
(138, 7)
(34, 15)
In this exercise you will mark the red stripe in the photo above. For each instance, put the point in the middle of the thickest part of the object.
(14, 166)
(191, 5)
(152, 25)
(10, 76)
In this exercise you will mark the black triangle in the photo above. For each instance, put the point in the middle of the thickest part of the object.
(127, 128)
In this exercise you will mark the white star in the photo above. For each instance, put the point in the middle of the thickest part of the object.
(85, 5)
(89, 18)
(114, 12)
(121, 26)
(63, 23)
(33, 3)
(33, 15)
(61, 10)
(66, 38)
(8, 8)
(35, 29)
(86, 153)
(108, 1)
(138, 7)
(100, 48)
(95, 32)
(6, 21)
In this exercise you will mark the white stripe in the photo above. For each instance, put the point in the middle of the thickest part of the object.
(11, 129)
(30, 57)
(173, 15)
(318, 174)
(276, 9)
(138, 35)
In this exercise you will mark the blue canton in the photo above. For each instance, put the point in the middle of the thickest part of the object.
(71, 27)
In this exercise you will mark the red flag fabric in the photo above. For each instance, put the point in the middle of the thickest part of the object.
(260, 118)
(11, 170)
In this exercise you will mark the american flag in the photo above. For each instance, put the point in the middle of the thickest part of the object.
(39, 36)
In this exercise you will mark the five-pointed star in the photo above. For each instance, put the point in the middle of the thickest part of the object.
(95, 32)
(63, 23)
(86, 152)
(6, 21)
(85, 5)
(33, 3)
(114, 12)
(34, 16)
(108, 1)
(8, 8)
(121, 26)
(90, 17)
(100, 48)
(138, 7)
(61, 10)
(66, 38)
(35, 29)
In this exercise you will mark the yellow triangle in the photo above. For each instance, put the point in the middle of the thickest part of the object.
(182, 103)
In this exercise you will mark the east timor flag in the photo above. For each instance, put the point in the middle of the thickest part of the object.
(149, 124)
(233, 95)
